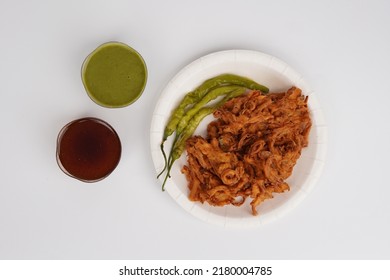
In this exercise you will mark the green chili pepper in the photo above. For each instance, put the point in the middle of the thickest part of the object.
(172, 124)
(179, 144)
(226, 79)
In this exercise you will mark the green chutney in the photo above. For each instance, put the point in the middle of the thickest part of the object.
(114, 75)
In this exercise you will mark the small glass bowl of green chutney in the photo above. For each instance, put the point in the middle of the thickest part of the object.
(114, 75)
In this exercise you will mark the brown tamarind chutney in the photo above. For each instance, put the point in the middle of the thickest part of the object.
(88, 149)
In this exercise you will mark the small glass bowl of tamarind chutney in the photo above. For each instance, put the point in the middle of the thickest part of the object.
(88, 149)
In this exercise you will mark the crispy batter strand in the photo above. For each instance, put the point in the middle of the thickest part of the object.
(250, 149)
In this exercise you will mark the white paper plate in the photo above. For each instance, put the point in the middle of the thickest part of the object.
(276, 75)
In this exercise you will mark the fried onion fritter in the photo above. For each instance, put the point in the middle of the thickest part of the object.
(250, 149)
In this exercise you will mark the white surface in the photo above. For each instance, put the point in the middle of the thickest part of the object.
(264, 69)
(340, 47)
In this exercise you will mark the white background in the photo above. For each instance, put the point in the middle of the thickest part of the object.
(340, 47)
